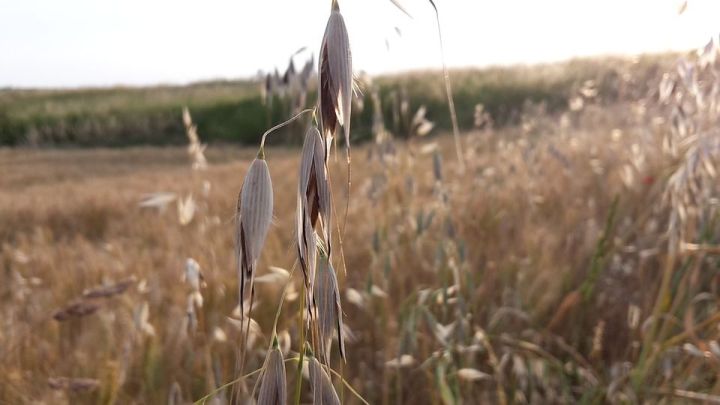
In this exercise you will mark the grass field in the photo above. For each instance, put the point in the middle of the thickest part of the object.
(233, 111)
(574, 260)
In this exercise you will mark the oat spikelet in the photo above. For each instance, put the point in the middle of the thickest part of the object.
(254, 214)
(329, 310)
(306, 247)
(273, 389)
(335, 82)
(322, 387)
(313, 202)
(314, 190)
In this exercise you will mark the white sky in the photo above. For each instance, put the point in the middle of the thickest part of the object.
(109, 42)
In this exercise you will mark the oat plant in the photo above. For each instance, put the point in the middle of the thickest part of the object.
(320, 312)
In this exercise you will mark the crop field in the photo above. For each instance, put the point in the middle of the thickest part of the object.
(563, 249)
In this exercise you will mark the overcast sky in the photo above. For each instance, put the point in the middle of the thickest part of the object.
(109, 42)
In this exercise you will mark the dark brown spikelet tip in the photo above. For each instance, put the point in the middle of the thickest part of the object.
(76, 309)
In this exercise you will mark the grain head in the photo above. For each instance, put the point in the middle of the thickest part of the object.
(329, 310)
(335, 82)
(254, 215)
(313, 200)
(273, 388)
(322, 387)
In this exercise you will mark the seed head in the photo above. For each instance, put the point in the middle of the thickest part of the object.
(313, 202)
(196, 150)
(254, 214)
(313, 184)
(329, 310)
(306, 242)
(335, 82)
(273, 389)
(322, 388)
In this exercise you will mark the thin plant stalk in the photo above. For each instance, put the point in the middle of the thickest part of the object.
(660, 304)
(449, 93)
(280, 125)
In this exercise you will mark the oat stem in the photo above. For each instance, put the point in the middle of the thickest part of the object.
(448, 92)
(261, 153)
(222, 387)
(661, 303)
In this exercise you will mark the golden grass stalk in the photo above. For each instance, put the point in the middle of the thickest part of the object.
(196, 150)
(449, 93)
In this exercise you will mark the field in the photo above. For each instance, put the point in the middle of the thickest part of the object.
(573, 260)
(239, 111)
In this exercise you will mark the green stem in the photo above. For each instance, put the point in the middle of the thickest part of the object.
(449, 94)
(660, 305)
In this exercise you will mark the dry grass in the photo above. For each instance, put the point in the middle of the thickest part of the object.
(532, 276)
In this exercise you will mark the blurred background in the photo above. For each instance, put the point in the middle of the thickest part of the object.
(91, 73)
(561, 246)
(101, 44)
